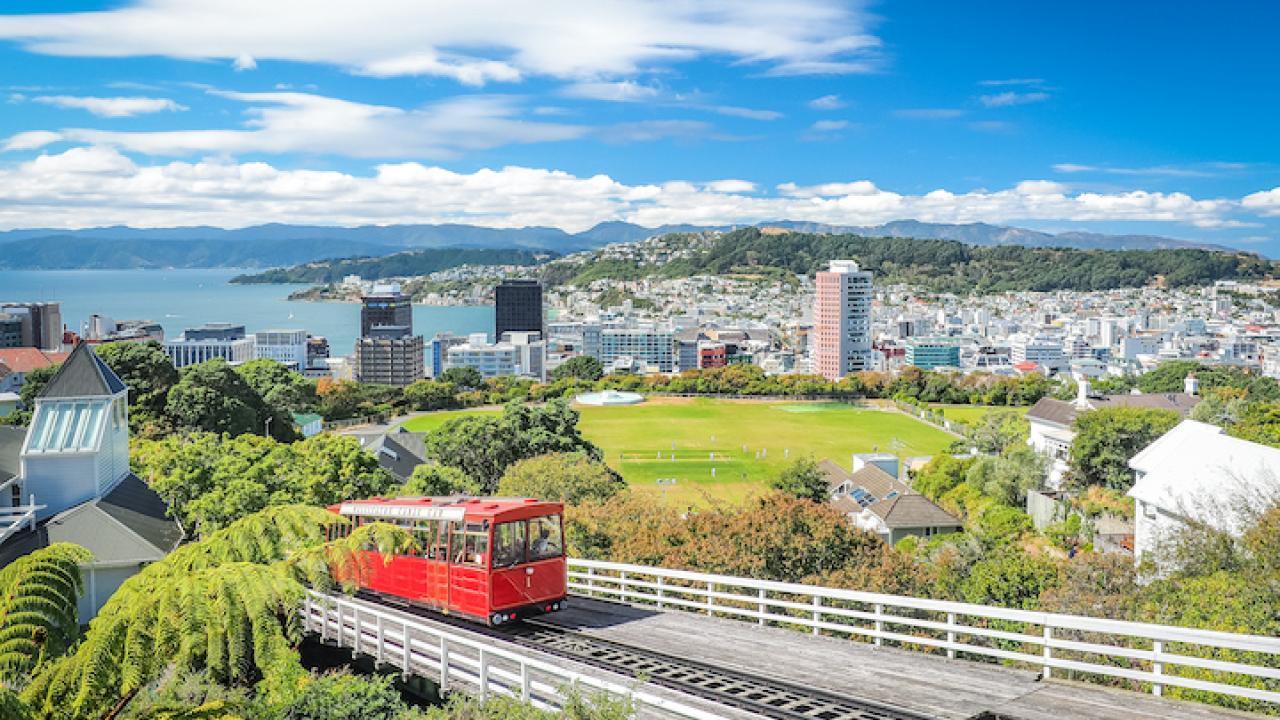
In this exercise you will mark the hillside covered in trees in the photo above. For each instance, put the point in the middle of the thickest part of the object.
(416, 262)
(941, 265)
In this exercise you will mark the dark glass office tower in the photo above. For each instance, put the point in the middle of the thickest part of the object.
(519, 307)
(386, 306)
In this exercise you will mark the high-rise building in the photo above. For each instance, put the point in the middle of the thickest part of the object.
(841, 337)
(518, 307)
(385, 305)
(389, 357)
(387, 352)
(41, 323)
(10, 330)
(287, 347)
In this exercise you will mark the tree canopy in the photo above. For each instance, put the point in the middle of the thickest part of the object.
(1107, 439)
(569, 477)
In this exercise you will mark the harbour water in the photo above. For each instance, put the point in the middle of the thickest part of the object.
(178, 299)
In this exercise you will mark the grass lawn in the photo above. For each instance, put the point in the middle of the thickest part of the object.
(728, 449)
(969, 414)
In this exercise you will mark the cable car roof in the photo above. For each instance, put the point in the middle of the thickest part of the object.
(450, 508)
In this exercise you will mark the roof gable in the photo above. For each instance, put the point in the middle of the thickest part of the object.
(83, 374)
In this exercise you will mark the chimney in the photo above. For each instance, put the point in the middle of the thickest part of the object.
(1082, 393)
(1191, 385)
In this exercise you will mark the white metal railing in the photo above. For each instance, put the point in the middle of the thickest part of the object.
(1143, 652)
(484, 665)
(13, 518)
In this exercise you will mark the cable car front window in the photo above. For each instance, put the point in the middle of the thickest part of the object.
(508, 544)
(545, 538)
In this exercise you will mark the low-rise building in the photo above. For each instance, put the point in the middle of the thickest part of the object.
(879, 503)
(928, 353)
(212, 341)
(1196, 474)
(287, 347)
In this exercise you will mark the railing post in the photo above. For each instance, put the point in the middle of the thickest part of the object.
(951, 635)
(1157, 667)
(1048, 652)
(591, 582)
(324, 621)
(355, 622)
(879, 624)
(817, 614)
(762, 606)
(341, 629)
(382, 642)
(405, 648)
(662, 593)
(711, 601)
(622, 584)
(484, 675)
(525, 684)
(444, 663)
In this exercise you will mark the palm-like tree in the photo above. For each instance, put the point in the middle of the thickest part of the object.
(38, 617)
(227, 604)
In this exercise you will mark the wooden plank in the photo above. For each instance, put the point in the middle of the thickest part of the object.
(930, 684)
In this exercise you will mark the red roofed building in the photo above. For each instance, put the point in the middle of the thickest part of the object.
(20, 361)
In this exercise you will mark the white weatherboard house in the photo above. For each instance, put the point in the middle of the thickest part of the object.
(74, 462)
(1197, 474)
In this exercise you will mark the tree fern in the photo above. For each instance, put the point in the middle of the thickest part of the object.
(227, 605)
(38, 616)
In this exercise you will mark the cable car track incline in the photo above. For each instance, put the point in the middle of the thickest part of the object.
(763, 696)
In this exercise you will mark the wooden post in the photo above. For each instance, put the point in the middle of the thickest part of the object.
(324, 621)
(762, 606)
(662, 582)
(711, 601)
(1157, 667)
(622, 584)
(817, 614)
(951, 634)
(879, 624)
(1048, 652)
(591, 582)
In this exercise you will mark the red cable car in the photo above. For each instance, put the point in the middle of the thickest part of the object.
(492, 560)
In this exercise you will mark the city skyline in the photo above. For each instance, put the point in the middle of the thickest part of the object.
(157, 114)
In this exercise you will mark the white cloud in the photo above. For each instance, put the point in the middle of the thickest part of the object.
(650, 130)
(112, 107)
(742, 112)
(731, 186)
(829, 125)
(288, 122)
(1012, 81)
(1266, 202)
(90, 186)
(623, 91)
(929, 113)
(31, 140)
(827, 102)
(472, 41)
(1154, 170)
(1007, 99)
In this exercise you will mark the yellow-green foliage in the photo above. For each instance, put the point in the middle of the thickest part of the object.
(38, 607)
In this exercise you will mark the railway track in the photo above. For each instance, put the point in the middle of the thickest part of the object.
(763, 696)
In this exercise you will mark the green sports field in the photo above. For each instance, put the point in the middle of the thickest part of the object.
(728, 449)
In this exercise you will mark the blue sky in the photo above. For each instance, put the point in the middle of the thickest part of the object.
(1145, 117)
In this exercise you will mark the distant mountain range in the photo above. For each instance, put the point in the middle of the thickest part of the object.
(277, 245)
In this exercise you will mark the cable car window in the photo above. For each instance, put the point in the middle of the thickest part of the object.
(439, 550)
(471, 548)
(545, 539)
(508, 544)
(424, 534)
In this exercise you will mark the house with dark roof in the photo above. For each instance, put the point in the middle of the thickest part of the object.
(878, 502)
(72, 481)
(1052, 420)
(398, 451)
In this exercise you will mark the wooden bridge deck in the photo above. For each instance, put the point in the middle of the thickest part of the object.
(928, 684)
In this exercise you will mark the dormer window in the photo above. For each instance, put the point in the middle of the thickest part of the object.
(66, 426)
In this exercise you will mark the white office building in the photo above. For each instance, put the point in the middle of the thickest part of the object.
(287, 347)
(651, 346)
(519, 353)
(1042, 350)
(183, 351)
